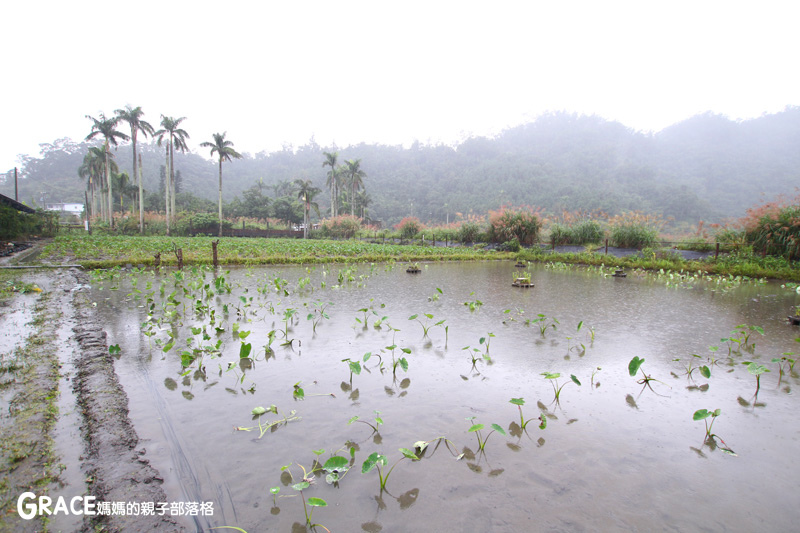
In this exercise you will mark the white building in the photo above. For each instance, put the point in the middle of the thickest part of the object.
(73, 209)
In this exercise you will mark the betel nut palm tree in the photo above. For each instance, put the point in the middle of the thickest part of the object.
(176, 139)
(224, 149)
(92, 170)
(331, 159)
(354, 176)
(306, 193)
(107, 128)
(133, 116)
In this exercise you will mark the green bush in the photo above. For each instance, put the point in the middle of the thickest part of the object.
(469, 232)
(409, 227)
(633, 235)
(207, 223)
(341, 227)
(16, 224)
(519, 224)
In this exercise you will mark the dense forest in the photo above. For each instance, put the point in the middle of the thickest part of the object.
(704, 168)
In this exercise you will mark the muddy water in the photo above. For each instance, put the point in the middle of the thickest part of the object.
(613, 456)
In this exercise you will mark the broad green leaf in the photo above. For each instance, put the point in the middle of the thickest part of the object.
(274, 490)
(420, 445)
(498, 429)
(317, 502)
(257, 411)
(574, 379)
(551, 375)
(243, 334)
(114, 349)
(372, 461)
(476, 427)
(633, 366)
(705, 371)
(300, 486)
(355, 367)
(517, 401)
(404, 364)
(405, 350)
(413, 317)
(700, 414)
(367, 356)
(352, 419)
(335, 463)
(244, 350)
(756, 369)
(318, 452)
(430, 317)
(543, 419)
(580, 325)
(409, 454)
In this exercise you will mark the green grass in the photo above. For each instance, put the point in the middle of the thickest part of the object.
(107, 251)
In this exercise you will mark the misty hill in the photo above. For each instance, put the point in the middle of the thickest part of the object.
(705, 168)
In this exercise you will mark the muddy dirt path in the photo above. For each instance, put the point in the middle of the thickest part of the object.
(64, 426)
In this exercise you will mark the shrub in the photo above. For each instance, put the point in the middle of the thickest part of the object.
(777, 232)
(200, 222)
(560, 234)
(587, 232)
(341, 227)
(409, 227)
(469, 232)
(634, 230)
(509, 223)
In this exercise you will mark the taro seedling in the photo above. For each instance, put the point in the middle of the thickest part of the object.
(582, 348)
(476, 428)
(704, 369)
(756, 370)
(311, 502)
(784, 360)
(268, 426)
(435, 297)
(426, 326)
(634, 366)
(519, 402)
(355, 368)
(543, 323)
(553, 376)
(475, 304)
(379, 462)
(378, 421)
(704, 414)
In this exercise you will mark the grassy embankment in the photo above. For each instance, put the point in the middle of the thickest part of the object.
(106, 252)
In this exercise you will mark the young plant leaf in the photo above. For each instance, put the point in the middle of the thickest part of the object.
(633, 366)
(705, 371)
(575, 380)
(498, 429)
(317, 502)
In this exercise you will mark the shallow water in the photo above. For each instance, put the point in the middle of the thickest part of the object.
(613, 456)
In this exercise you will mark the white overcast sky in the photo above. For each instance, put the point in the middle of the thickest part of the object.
(272, 73)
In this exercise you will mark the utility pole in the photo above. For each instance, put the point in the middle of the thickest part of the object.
(16, 188)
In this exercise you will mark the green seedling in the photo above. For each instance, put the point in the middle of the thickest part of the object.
(756, 370)
(426, 326)
(379, 462)
(543, 323)
(704, 414)
(114, 349)
(298, 393)
(634, 366)
(704, 369)
(595, 371)
(784, 360)
(318, 314)
(473, 305)
(519, 402)
(268, 426)
(378, 421)
(311, 502)
(553, 376)
(582, 348)
(355, 368)
(402, 362)
(435, 297)
(476, 428)
(287, 319)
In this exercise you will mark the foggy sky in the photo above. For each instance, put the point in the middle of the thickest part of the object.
(394, 72)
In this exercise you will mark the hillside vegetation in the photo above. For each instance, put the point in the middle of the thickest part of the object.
(705, 168)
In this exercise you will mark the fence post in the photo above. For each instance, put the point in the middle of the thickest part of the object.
(716, 253)
(214, 250)
(606, 246)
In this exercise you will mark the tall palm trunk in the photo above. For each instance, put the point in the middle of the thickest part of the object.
(166, 188)
(220, 195)
(110, 213)
(172, 178)
(141, 197)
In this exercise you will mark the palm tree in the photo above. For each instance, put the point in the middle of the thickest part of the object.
(92, 170)
(133, 116)
(225, 150)
(176, 140)
(355, 180)
(331, 161)
(107, 128)
(306, 193)
(363, 200)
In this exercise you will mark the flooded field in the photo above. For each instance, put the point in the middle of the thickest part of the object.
(436, 355)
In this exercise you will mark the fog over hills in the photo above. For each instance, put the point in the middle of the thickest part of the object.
(704, 168)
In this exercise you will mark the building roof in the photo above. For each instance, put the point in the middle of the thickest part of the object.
(10, 202)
